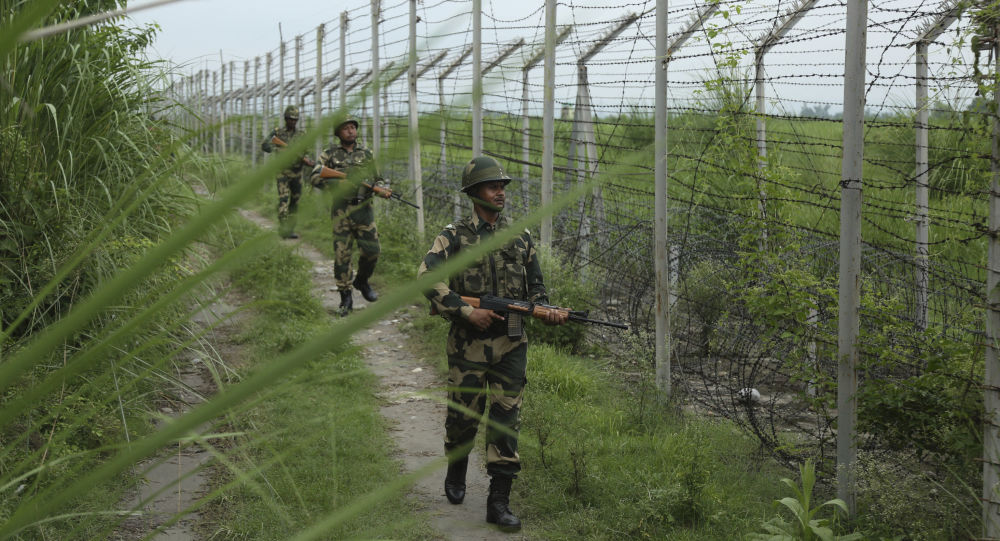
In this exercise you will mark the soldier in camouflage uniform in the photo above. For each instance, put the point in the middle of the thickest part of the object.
(353, 216)
(289, 180)
(487, 353)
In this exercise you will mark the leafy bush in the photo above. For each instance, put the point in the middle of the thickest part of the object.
(703, 299)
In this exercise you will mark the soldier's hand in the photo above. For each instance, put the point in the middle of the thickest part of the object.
(308, 162)
(482, 319)
(556, 317)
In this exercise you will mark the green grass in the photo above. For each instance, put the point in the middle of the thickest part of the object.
(85, 193)
(573, 446)
(598, 466)
(96, 224)
(315, 440)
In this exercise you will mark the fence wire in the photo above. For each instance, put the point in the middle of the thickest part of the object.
(753, 236)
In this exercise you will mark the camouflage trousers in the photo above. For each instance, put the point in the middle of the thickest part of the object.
(289, 192)
(353, 223)
(486, 366)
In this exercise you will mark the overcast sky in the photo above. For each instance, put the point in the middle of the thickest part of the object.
(194, 31)
(244, 29)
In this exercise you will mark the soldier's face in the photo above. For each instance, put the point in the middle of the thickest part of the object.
(291, 122)
(493, 194)
(348, 134)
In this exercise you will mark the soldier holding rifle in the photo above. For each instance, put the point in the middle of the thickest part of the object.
(290, 179)
(487, 350)
(350, 169)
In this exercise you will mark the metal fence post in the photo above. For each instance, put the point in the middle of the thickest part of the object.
(231, 103)
(221, 101)
(477, 78)
(548, 118)
(268, 106)
(256, 105)
(213, 100)
(761, 144)
(921, 218)
(343, 60)
(298, 77)
(584, 128)
(416, 168)
(281, 80)
(532, 61)
(991, 436)
(442, 164)
(318, 88)
(375, 80)
(850, 249)
(243, 109)
(928, 33)
(661, 265)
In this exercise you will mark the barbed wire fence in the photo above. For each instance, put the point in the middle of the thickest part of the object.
(755, 103)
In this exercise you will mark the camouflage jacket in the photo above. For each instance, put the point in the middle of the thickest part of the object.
(512, 271)
(359, 164)
(285, 135)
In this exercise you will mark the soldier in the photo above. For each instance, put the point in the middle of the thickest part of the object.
(353, 217)
(487, 353)
(289, 180)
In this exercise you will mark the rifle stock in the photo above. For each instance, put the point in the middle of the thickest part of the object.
(275, 140)
(500, 304)
(328, 172)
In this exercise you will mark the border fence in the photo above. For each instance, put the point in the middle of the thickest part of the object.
(822, 328)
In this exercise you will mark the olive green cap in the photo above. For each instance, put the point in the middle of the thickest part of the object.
(292, 112)
(480, 170)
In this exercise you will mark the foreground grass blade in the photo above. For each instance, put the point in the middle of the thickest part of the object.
(51, 500)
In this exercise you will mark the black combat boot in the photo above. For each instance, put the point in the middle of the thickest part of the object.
(346, 302)
(365, 269)
(286, 228)
(454, 482)
(497, 511)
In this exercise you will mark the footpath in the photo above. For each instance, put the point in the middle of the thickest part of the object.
(411, 393)
(412, 398)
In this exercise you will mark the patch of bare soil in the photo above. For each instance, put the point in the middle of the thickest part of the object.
(412, 394)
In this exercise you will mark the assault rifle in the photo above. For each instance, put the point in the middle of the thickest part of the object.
(503, 305)
(329, 172)
(275, 140)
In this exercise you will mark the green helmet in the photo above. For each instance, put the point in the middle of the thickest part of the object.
(346, 121)
(292, 112)
(480, 170)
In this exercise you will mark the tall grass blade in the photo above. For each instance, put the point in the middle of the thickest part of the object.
(53, 498)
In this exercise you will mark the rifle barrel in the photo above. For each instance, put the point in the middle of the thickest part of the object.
(598, 322)
(401, 200)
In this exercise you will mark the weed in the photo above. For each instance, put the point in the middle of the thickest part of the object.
(804, 526)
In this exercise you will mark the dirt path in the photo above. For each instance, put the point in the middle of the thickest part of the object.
(176, 479)
(416, 421)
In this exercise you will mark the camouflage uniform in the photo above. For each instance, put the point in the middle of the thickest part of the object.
(353, 217)
(290, 179)
(490, 362)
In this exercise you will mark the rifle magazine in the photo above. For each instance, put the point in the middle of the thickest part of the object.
(515, 325)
